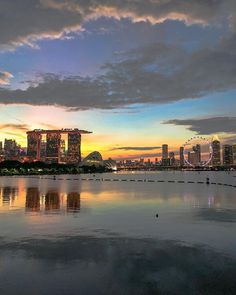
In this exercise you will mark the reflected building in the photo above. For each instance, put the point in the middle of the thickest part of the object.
(8, 194)
(32, 202)
(73, 202)
(52, 201)
(216, 157)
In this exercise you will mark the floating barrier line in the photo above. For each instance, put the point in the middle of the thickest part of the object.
(133, 180)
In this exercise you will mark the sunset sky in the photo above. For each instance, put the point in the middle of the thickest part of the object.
(136, 73)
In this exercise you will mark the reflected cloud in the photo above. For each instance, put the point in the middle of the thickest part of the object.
(217, 215)
(123, 265)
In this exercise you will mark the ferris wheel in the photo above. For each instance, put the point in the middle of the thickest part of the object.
(193, 149)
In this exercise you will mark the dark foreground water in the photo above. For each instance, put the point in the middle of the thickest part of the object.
(71, 236)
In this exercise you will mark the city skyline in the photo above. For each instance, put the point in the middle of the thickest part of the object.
(51, 146)
(136, 74)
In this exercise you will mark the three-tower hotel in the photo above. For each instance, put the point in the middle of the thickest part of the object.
(50, 145)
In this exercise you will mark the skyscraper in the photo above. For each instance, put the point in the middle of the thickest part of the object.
(234, 154)
(216, 157)
(10, 149)
(165, 159)
(172, 158)
(53, 147)
(227, 154)
(165, 151)
(197, 150)
(74, 148)
(43, 150)
(181, 156)
(193, 158)
(33, 145)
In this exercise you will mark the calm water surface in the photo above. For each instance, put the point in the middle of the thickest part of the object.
(93, 234)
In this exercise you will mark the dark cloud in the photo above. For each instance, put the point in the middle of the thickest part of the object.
(5, 78)
(208, 125)
(229, 139)
(137, 148)
(138, 156)
(155, 74)
(20, 127)
(24, 22)
(14, 134)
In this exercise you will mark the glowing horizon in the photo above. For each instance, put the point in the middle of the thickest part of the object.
(136, 75)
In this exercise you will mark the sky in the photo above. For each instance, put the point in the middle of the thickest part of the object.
(136, 73)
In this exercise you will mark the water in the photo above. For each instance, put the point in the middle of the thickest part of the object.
(118, 233)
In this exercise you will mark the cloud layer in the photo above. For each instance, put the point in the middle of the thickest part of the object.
(137, 148)
(5, 78)
(155, 74)
(27, 21)
(207, 126)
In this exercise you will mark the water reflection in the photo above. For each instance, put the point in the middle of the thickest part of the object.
(89, 265)
(52, 201)
(8, 195)
(73, 202)
(32, 202)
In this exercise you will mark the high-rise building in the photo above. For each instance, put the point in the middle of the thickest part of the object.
(216, 157)
(227, 154)
(141, 161)
(181, 156)
(53, 147)
(234, 154)
(197, 150)
(43, 150)
(10, 149)
(172, 158)
(63, 147)
(193, 158)
(33, 145)
(74, 148)
(165, 151)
